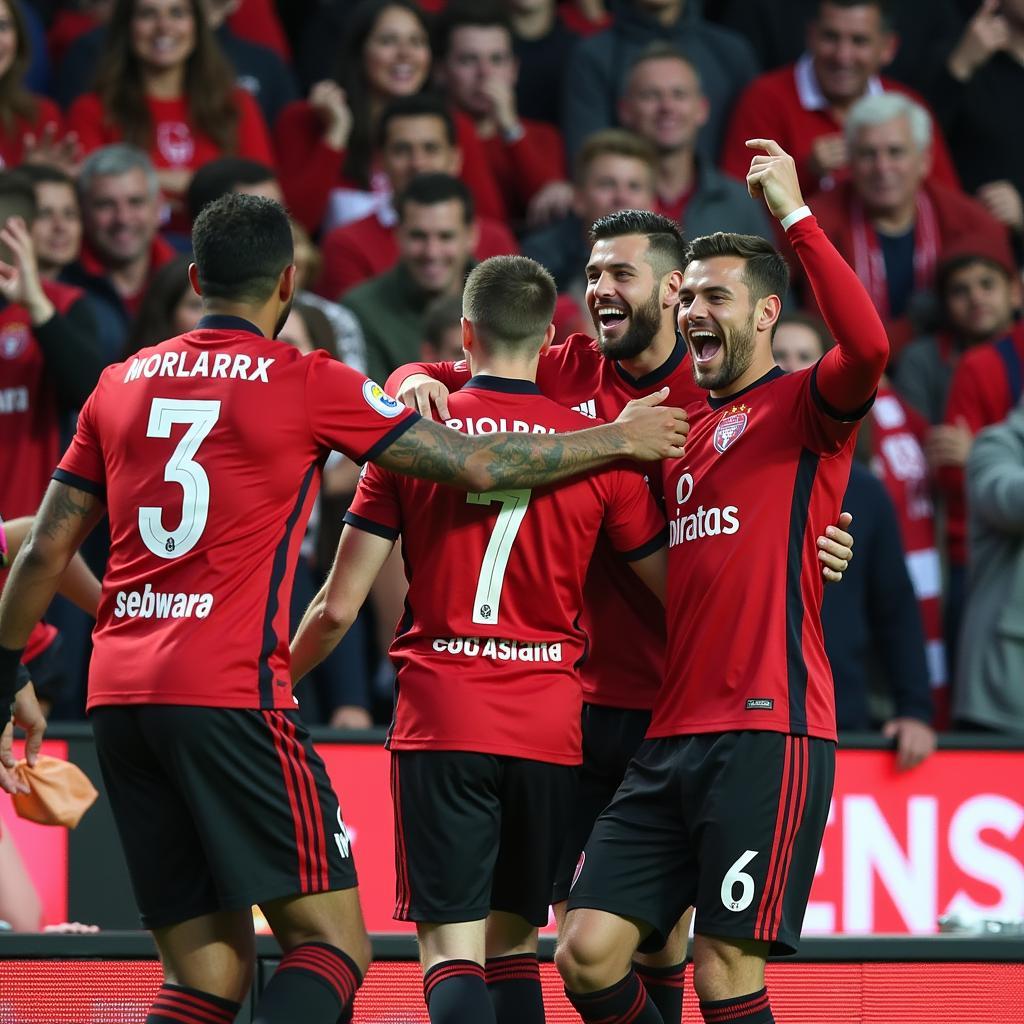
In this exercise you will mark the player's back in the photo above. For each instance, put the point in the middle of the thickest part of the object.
(208, 447)
(489, 651)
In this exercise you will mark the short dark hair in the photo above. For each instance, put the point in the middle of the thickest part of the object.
(17, 197)
(813, 323)
(468, 14)
(219, 177)
(241, 245)
(40, 174)
(661, 49)
(615, 142)
(433, 188)
(423, 104)
(947, 268)
(766, 272)
(666, 249)
(441, 315)
(510, 301)
(883, 7)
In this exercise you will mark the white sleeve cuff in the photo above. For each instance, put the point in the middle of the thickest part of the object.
(797, 215)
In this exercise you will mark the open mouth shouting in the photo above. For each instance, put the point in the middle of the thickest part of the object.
(611, 317)
(704, 345)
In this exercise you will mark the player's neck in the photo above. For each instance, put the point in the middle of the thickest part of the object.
(494, 366)
(655, 355)
(262, 317)
(761, 364)
(676, 172)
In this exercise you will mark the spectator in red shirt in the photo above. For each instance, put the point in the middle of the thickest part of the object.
(804, 105)
(119, 193)
(164, 86)
(889, 221)
(664, 103)
(417, 136)
(478, 68)
(30, 125)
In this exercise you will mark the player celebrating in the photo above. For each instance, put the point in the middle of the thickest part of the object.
(487, 714)
(205, 450)
(725, 803)
(634, 274)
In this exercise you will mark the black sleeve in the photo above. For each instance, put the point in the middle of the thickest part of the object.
(72, 352)
(896, 617)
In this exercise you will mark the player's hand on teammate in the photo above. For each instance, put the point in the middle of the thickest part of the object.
(29, 716)
(654, 431)
(915, 741)
(773, 176)
(835, 549)
(424, 394)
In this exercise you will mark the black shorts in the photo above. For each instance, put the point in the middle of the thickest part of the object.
(476, 833)
(219, 808)
(730, 823)
(611, 737)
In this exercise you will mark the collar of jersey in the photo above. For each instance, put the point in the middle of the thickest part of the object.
(222, 322)
(666, 369)
(775, 371)
(510, 385)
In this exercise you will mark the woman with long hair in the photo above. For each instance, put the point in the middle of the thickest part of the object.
(164, 85)
(31, 127)
(325, 144)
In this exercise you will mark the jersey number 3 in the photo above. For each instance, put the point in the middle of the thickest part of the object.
(487, 602)
(181, 469)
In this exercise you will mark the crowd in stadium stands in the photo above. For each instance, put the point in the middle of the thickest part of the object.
(410, 140)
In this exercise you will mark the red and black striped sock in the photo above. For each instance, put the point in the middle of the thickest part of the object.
(314, 983)
(625, 1002)
(514, 984)
(177, 1004)
(455, 992)
(750, 1009)
(665, 987)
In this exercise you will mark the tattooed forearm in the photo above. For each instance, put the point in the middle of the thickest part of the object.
(500, 460)
(62, 523)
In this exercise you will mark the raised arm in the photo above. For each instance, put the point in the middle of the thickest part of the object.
(848, 375)
(330, 615)
(643, 431)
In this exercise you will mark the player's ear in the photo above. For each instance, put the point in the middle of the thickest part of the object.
(671, 283)
(468, 336)
(193, 279)
(549, 337)
(770, 313)
(286, 283)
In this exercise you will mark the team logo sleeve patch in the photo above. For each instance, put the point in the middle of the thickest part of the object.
(380, 401)
(730, 427)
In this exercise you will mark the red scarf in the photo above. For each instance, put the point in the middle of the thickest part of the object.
(869, 263)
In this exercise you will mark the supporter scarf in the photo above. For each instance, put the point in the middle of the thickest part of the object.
(869, 263)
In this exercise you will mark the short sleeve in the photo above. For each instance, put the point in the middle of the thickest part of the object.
(633, 522)
(349, 413)
(83, 466)
(376, 507)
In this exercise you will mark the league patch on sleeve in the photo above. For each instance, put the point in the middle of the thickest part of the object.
(378, 400)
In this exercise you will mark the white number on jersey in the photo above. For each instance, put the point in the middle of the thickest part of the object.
(487, 603)
(737, 874)
(181, 469)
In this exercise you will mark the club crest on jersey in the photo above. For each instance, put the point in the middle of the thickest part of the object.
(380, 401)
(13, 340)
(730, 426)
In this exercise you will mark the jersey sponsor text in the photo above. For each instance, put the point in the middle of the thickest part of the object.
(156, 604)
(710, 522)
(501, 650)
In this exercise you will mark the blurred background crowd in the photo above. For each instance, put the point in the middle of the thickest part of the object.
(410, 139)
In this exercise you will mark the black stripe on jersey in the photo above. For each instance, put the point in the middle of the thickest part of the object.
(803, 485)
(666, 369)
(656, 543)
(277, 571)
(831, 410)
(369, 526)
(773, 374)
(391, 436)
(509, 385)
(73, 480)
(582, 659)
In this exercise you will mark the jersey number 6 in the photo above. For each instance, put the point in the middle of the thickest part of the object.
(487, 602)
(181, 469)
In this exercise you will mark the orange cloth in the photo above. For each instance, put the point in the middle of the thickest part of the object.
(59, 792)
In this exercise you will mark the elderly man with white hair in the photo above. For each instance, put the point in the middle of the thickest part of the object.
(890, 220)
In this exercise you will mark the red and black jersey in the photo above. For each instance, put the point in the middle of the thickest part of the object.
(625, 621)
(207, 450)
(764, 473)
(488, 654)
(29, 424)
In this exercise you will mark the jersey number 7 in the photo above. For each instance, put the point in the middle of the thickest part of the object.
(487, 602)
(181, 469)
